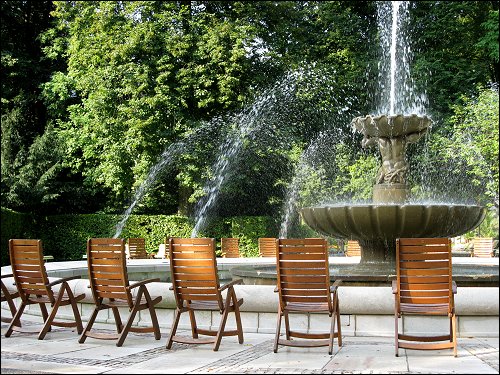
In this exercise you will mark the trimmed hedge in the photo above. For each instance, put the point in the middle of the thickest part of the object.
(65, 236)
(14, 225)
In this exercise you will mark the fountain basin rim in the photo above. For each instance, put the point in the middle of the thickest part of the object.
(389, 204)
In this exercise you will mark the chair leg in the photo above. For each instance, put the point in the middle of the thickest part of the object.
(126, 329)
(237, 315)
(16, 318)
(454, 333)
(10, 302)
(194, 326)
(48, 323)
(335, 319)
(152, 313)
(332, 333)
(177, 316)
(287, 325)
(89, 325)
(74, 307)
(339, 328)
(278, 328)
(222, 326)
(45, 313)
(118, 319)
(396, 334)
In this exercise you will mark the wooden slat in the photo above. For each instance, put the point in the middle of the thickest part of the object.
(428, 286)
(424, 265)
(267, 246)
(483, 247)
(425, 301)
(424, 293)
(421, 279)
(353, 248)
(299, 278)
(194, 263)
(192, 255)
(197, 297)
(433, 272)
(300, 256)
(230, 247)
(307, 299)
(309, 292)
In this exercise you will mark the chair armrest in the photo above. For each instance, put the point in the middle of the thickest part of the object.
(335, 285)
(394, 286)
(139, 283)
(64, 279)
(234, 282)
(454, 287)
(8, 275)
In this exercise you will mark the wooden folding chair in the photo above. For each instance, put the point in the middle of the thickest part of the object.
(137, 248)
(230, 247)
(353, 249)
(8, 296)
(303, 284)
(196, 286)
(33, 286)
(424, 286)
(111, 289)
(267, 247)
(483, 247)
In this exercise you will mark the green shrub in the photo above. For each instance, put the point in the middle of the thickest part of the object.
(65, 236)
(14, 225)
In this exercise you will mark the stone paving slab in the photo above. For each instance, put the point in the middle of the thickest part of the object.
(60, 353)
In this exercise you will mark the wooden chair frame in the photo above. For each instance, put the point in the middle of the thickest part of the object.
(304, 286)
(267, 247)
(230, 247)
(483, 247)
(34, 287)
(424, 286)
(353, 248)
(111, 289)
(137, 248)
(196, 286)
(8, 296)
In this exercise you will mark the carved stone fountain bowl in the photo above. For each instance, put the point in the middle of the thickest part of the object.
(389, 221)
(391, 125)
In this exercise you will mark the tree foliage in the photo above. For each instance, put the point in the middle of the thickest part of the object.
(99, 96)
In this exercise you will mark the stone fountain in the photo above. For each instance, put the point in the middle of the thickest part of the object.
(391, 215)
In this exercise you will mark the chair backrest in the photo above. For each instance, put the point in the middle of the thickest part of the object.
(303, 275)
(193, 268)
(28, 268)
(230, 247)
(267, 247)
(353, 249)
(483, 247)
(424, 271)
(137, 248)
(108, 269)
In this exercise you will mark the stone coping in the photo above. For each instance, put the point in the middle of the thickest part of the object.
(377, 300)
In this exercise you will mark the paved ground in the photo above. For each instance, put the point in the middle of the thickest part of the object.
(61, 353)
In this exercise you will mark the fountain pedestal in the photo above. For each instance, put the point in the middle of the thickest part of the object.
(390, 193)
